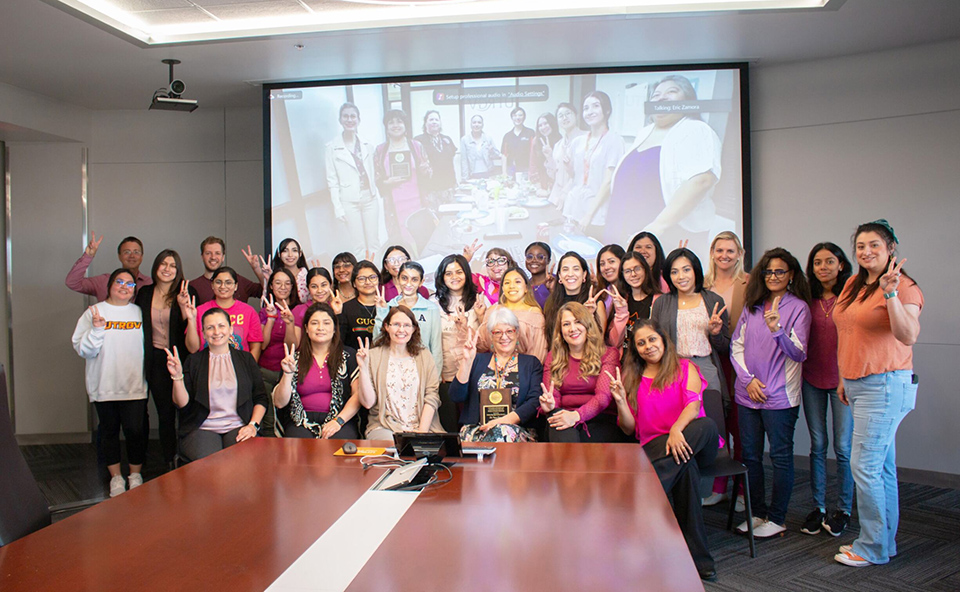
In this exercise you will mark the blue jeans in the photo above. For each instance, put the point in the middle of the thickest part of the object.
(777, 425)
(879, 403)
(815, 410)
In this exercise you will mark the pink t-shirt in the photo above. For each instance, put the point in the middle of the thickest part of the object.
(657, 411)
(272, 354)
(315, 391)
(245, 320)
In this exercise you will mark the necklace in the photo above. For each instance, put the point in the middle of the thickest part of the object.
(500, 371)
(826, 311)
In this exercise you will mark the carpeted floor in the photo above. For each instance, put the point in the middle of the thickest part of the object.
(929, 535)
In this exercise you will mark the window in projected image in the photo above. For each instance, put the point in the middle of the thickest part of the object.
(577, 161)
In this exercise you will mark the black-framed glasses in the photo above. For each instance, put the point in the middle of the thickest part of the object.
(367, 279)
(493, 261)
(777, 272)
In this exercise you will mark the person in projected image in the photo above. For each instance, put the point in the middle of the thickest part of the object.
(440, 150)
(350, 173)
(477, 152)
(516, 145)
(665, 181)
(402, 171)
(592, 160)
(559, 157)
(542, 169)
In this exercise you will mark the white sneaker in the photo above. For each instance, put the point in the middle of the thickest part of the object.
(741, 506)
(135, 480)
(757, 522)
(768, 529)
(117, 485)
(714, 499)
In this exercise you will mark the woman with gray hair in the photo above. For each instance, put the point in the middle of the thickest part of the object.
(501, 388)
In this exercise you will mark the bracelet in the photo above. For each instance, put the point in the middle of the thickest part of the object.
(180, 378)
(270, 316)
(289, 373)
(891, 295)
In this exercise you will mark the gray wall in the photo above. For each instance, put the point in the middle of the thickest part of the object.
(844, 141)
(835, 143)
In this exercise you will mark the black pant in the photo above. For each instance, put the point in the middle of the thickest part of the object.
(602, 428)
(681, 482)
(129, 415)
(348, 431)
(448, 411)
(161, 389)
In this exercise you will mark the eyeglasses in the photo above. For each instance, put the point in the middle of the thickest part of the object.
(125, 284)
(498, 334)
(401, 326)
(226, 283)
(397, 260)
(367, 279)
(131, 252)
(494, 261)
(777, 272)
(633, 271)
(536, 257)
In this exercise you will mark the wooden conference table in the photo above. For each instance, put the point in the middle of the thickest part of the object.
(534, 517)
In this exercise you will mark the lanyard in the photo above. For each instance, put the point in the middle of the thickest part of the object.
(587, 156)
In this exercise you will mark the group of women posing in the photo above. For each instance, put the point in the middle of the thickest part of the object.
(523, 354)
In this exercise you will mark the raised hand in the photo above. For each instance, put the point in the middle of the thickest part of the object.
(890, 281)
(480, 306)
(369, 255)
(755, 391)
(363, 354)
(547, 402)
(591, 303)
(265, 267)
(285, 313)
(93, 245)
(470, 250)
(252, 260)
(98, 321)
(716, 319)
(470, 345)
(314, 263)
(289, 362)
(616, 387)
(174, 367)
(381, 300)
(336, 303)
(188, 308)
(183, 296)
(619, 302)
(683, 243)
(551, 280)
(268, 305)
(772, 316)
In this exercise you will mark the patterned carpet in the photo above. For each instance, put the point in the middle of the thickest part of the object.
(929, 535)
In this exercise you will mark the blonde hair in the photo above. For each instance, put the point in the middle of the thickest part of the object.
(739, 273)
(593, 350)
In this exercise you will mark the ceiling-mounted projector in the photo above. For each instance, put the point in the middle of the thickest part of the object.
(169, 98)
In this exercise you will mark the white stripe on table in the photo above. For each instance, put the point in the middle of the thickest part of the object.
(331, 563)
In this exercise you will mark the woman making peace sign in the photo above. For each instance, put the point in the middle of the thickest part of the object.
(769, 344)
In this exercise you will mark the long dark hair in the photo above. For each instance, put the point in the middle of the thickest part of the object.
(657, 267)
(557, 297)
(633, 364)
(415, 345)
(361, 265)
(846, 270)
(171, 296)
(618, 252)
(860, 280)
(469, 295)
(384, 272)
(294, 298)
(322, 272)
(757, 290)
(278, 263)
(554, 136)
(694, 262)
(335, 351)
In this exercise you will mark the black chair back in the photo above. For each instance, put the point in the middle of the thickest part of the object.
(23, 509)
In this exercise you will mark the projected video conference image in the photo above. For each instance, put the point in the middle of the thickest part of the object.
(576, 161)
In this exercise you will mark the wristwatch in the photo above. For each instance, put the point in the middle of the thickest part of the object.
(256, 426)
(339, 421)
(891, 295)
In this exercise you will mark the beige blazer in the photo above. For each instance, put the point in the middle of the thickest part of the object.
(428, 394)
(343, 177)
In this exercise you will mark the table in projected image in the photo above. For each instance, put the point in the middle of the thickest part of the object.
(533, 517)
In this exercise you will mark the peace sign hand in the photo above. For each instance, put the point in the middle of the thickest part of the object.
(98, 321)
(94, 244)
(183, 296)
(890, 281)
(619, 302)
(460, 318)
(363, 354)
(174, 367)
(382, 298)
(369, 255)
(188, 307)
(471, 249)
(480, 306)
(285, 313)
(591, 302)
(336, 303)
(716, 320)
(547, 402)
(551, 280)
(470, 345)
(268, 305)
(683, 243)
(314, 263)
(616, 387)
(289, 363)
(772, 316)
(265, 267)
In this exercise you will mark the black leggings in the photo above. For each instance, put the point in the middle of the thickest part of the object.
(602, 428)
(161, 389)
(291, 430)
(130, 415)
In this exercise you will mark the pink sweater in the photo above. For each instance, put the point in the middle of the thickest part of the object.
(588, 396)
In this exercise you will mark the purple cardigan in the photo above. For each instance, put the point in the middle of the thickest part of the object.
(775, 359)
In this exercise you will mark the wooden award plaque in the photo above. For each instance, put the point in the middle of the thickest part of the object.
(494, 403)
